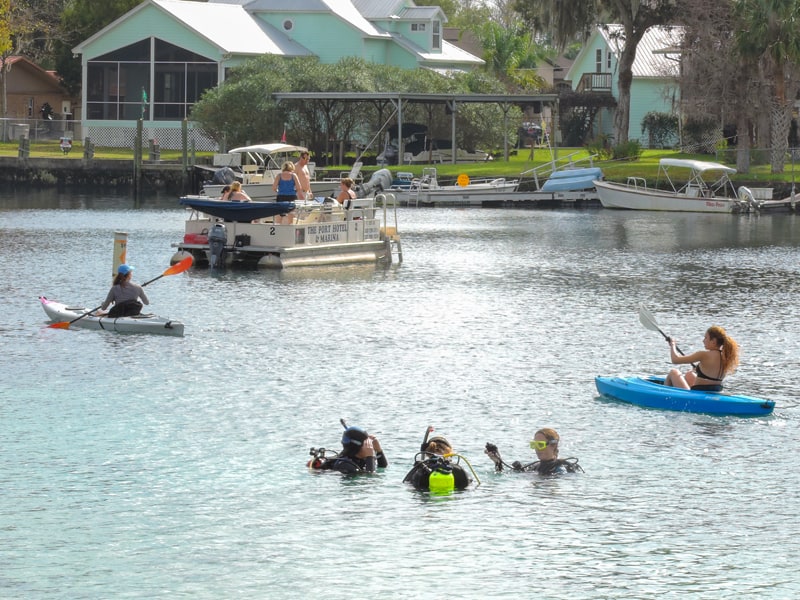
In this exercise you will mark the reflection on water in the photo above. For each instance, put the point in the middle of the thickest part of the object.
(123, 454)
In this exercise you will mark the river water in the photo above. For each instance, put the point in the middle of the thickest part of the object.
(151, 467)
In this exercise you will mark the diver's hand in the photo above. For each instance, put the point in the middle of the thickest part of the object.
(492, 452)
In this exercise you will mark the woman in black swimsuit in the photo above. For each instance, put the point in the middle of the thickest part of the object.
(720, 358)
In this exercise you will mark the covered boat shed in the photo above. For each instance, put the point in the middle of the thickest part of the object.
(400, 99)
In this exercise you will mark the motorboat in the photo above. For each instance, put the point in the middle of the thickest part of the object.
(707, 188)
(651, 392)
(321, 232)
(426, 190)
(258, 165)
(77, 317)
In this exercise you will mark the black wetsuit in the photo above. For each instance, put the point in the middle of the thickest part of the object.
(420, 474)
(557, 466)
(351, 464)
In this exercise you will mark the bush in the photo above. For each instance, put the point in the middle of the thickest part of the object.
(662, 128)
(630, 150)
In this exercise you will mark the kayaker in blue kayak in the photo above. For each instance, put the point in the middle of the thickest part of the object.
(126, 295)
(545, 443)
(361, 453)
(709, 366)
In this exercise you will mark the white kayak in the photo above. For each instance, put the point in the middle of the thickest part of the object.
(144, 323)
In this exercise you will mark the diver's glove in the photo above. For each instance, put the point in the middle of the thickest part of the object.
(493, 453)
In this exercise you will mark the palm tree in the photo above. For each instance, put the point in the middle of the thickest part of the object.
(566, 20)
(766, 32)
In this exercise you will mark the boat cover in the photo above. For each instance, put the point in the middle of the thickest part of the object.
(242, 212)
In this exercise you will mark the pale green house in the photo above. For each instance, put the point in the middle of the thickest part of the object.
(156, 61)
(655, 71)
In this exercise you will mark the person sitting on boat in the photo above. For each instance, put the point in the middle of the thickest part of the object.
(237, 194)
(287, 186)
(346, 192)
(434, 470)
(361, 453)
(545, 443)
(226, 191)
(126, 295)
(710, 366)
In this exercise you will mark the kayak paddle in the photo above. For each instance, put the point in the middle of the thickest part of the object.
(178, 267)
(647, 319)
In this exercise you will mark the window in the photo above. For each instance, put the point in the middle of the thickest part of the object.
(418, 27)
(598, 61)
(436, 41)
(608, 60)
(288, 25)
(115, 82)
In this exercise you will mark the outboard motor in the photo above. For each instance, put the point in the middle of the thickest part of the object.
(217, 238)
(381, 180)
(223, 176)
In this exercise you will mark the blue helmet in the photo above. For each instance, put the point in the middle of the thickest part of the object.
(352, 440)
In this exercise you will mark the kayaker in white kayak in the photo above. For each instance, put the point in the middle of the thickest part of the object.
(126, 295)
(545, 443)
(709, 366)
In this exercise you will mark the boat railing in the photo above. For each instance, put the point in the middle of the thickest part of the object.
(637, 183)
(546, 169)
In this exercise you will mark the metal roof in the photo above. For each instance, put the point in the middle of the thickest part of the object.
(651, 60)
(344, 9)
(420, 98)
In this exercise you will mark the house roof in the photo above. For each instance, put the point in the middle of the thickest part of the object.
(23, 62)
(344, 9)
(650, 60)
(239, 34)
(379, 9)
(231, 26)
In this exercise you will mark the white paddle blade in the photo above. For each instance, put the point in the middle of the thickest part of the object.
(647, 319)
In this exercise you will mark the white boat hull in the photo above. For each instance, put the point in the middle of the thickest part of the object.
(469, 195)
(262, 192)
(58, 312)
(615, 195)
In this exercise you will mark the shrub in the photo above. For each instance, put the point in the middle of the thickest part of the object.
(662, 128)
(630, 150)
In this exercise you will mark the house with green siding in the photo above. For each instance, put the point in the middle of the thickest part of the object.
(655, 70)
(154, 62)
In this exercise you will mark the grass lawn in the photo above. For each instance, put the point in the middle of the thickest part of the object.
(646, 166)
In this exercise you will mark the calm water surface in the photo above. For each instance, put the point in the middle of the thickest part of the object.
(149, 467)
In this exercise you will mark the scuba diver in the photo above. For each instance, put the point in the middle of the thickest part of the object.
(361, 453)
(545, 442)
(434, 470)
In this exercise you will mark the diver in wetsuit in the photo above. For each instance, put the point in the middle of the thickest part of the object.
(361, 453)
(545, 442)
(434, 470)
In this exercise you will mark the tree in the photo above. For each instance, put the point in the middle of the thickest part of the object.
(574, 18)
(716, 83)
(766, 32)
(80, 20)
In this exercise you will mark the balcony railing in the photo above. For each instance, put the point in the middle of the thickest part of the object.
(595, 82)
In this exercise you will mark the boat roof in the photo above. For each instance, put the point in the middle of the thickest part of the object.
(696, 165)
(269, 148)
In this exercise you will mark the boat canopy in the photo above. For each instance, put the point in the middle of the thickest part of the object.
(278, 148)
(700, 166)
(241, 212)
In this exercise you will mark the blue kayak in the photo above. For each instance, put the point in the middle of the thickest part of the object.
(652, 393)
